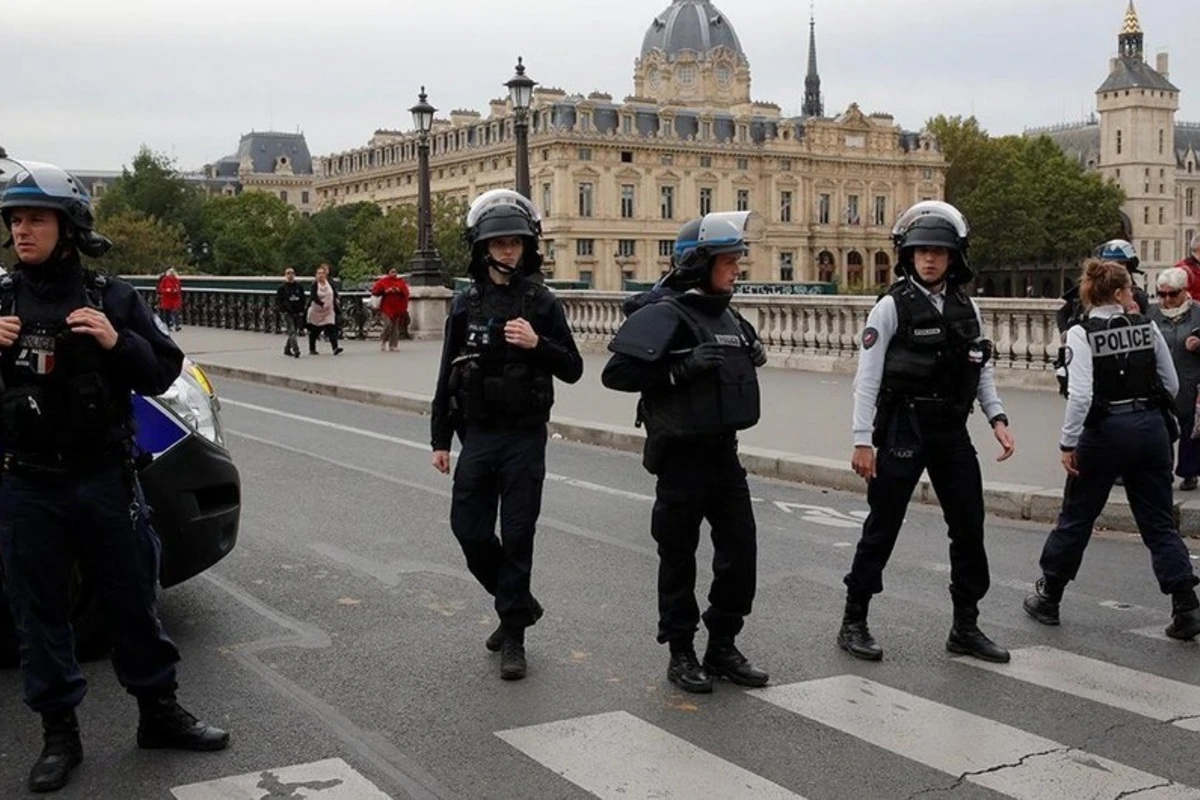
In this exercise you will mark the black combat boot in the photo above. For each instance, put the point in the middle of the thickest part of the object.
(512, 655)
(62, 752)
(497, 637)
(722, 659)
(1185, 612)
(855, 637)
(685, 671)
(164, 724)
(1042, 605)
(966, 639)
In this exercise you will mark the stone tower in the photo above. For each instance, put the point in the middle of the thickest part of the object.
(1137, 107)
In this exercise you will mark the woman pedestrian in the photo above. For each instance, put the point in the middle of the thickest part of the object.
(323, 312)
(170, 299)
(1178, 317)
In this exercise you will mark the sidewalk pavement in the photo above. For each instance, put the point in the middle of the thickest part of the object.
(804, 434)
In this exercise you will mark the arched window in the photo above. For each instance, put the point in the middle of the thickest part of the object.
(883, 270)
(825, 266)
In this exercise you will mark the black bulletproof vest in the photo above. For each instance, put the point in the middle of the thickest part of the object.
(720, 401)
(928, 356)
(58, 400)
(492, 382)
(1123, 363)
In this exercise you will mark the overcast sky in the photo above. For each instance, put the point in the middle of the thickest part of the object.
(88, 82)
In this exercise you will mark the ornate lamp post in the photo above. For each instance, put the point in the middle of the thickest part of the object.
(425, 269)
(520, 91)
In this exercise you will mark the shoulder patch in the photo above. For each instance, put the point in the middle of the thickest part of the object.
(869, 337)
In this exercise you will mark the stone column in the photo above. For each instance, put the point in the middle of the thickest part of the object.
(428, 307)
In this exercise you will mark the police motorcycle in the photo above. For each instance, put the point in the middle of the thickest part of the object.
(189, 481)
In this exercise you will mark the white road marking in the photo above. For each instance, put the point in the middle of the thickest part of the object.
(332, 779)
(617, 756)
(985, 752)
(1141, 693)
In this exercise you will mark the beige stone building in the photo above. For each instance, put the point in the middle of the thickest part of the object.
(268, 161)
(616, 179)
(1136, 141)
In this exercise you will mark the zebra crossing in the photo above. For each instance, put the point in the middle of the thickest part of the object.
(618, 756)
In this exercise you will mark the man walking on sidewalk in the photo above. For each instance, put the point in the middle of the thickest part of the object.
(290, 302)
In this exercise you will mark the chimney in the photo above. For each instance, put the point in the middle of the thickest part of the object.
(1162, 65)
(1112, 65)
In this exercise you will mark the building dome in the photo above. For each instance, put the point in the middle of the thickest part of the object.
(691, 25)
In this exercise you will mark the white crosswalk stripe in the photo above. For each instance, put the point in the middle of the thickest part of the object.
(1141, 693)
(617, 756)
(991, 754)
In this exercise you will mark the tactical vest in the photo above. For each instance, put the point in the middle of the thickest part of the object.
(1123, 362)
(58, 405)
(929, 356)
(493, 383)
(719, 401)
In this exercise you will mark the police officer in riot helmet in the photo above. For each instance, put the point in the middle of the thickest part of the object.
(74, 344)
(922, 366)
(506, 340)
(1119, 423)
(694, 361)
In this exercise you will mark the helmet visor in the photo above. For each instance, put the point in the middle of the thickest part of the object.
(935, 208)
(37, 181)
(731, 228)
(497, 198)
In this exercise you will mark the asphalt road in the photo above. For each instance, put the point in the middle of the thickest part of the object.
(345, 633)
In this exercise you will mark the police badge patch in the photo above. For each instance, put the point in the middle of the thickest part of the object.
(869, 338)
(36, 354)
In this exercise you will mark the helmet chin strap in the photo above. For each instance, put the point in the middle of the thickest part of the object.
(502, 268)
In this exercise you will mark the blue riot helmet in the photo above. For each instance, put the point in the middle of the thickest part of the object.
(701, 240)
(932, 223)
(497, 213)
(32, 184)
(1120, 251)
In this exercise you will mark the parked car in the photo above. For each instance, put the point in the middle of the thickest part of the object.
(193, 490)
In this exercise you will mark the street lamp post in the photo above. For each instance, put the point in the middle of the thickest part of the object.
(425, 268)
(520, 91)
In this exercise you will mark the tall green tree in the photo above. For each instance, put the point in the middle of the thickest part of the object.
(390, 240)
(449, 224)
(247, 233)
(337, 226)
(356, 266)
(142, 245)
(154, 188)
(302, 247)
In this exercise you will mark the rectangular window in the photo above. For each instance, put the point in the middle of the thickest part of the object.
(668, 159)
(626, 156)
(743, 163)
(666, 202)
(585, 276)
(1145, 246)
(927, 173)
(665, 246)
(1162, 214)
(1189, 202)
(1157, 250)
(585, 199)
(785, 206)
(706, 197)
(785, 165)
(583, 153)
(304, 198)
(880, 210)
(743, 200)
(823, 209)
(627, 190)
(585, 121)
(548, 248)
(283, 195)
(787, 265)
(626, 248)
(627, 125)
(1146, 215)
(585, 248)
(547, 196)
(852, 216)
(706, 161)
(706, 130)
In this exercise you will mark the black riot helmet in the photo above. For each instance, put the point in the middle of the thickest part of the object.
(932, 223)
(701, 240)
(497, 213)
(32, 184)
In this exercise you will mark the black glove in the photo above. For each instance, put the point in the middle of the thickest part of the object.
(758, 354)
(704, 356)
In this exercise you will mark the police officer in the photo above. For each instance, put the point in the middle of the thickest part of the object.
(922, 366)
(694, 360)
(506, 340)
(73, 346)
(1073, 310)
(1119, 422)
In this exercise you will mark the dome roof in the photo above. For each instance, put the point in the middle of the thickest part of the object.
(691, 25)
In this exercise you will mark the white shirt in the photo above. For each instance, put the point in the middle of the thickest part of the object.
(1080, 374)
(884, 321)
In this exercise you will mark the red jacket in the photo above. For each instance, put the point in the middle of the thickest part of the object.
(394, 292)
(1193, 270)
(170, 293)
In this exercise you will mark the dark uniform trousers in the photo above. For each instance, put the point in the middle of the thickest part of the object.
(45, 524)
(1135, 446)
(947, 453)
(703, 480)
(505, 468)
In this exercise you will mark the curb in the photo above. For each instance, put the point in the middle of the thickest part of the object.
(1011, 500)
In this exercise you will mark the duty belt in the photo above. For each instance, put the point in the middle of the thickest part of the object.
(1130, 406)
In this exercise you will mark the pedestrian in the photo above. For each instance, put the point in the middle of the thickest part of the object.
(1178, 318)
(1192, 264)
(694, 361)
(506, 340)
(1119, 421)
(170, 299)
(324, 314)
(290, 302)
(74, 345)
(922, 366)
(393, 293)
